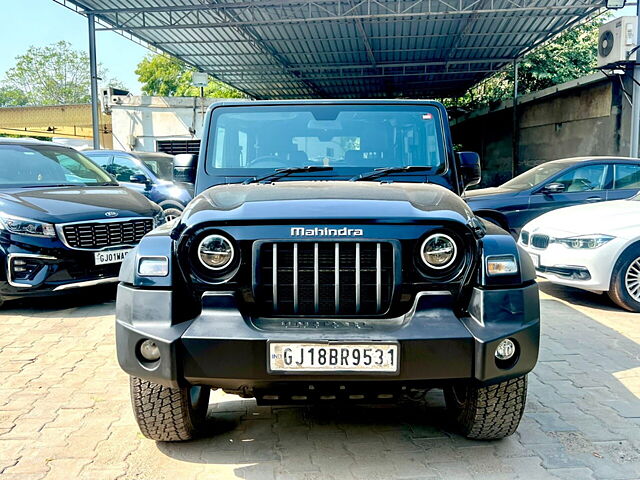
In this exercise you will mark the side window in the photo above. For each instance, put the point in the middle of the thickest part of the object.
(584, 179)
(124, 167)
(626, 176)
(102, 161)
(74, 171)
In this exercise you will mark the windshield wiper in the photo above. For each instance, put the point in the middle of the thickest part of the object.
(383, 172)
(283, 172)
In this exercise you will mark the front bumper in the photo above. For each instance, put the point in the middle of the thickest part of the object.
(581, 268)
(55, 270)
(224, 349)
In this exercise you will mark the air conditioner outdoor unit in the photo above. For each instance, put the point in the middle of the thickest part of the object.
(617, 39)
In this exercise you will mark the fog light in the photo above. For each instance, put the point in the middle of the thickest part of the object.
(153, 267)
(149, 350)
(506, 349)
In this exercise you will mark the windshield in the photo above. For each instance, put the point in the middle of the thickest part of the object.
(43, 165)
(535, 176)
(358, 136)
(162, 167)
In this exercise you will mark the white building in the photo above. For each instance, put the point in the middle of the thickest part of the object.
(156, 124)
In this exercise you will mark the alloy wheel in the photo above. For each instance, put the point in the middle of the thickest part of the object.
(632, 280)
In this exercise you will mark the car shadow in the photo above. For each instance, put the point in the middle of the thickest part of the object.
(582, 420)
(102, 298)
(577, 296)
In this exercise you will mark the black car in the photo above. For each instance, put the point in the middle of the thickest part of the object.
(64, 223)
(150, 174)
(328, 258)
(556, 184)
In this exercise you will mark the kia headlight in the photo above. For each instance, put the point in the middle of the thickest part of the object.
(584, 241)
(26, 226)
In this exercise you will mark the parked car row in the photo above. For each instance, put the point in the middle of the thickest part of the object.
(572, 238)
(66, 222)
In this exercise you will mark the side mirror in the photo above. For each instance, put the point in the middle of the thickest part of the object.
(470, 169)
(138, 178)
(554, 187)
(184, 167)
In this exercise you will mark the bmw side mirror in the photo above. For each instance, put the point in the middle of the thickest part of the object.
(184, 167)
(138, 178)
(470, 169)
(554, 187)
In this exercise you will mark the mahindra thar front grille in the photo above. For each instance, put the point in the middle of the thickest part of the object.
(325, 278)
(98, 235)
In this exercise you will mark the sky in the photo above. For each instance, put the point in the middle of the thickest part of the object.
(42, 22)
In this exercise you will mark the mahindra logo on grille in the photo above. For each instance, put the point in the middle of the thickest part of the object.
(110, 214)
(326, 232)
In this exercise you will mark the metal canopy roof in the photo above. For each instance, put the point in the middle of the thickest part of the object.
(342, 48)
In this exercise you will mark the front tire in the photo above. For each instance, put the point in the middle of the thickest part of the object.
(625, 280)
(172, 213)
(487, 412)
(169, 414)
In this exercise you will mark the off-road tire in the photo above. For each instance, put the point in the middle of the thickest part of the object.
(618, 291)
(488, 412)
(168, 414)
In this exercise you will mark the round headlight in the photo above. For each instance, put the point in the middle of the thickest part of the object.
(216, 252)
(438, 251)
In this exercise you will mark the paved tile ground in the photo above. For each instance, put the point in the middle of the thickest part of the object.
(65, 412)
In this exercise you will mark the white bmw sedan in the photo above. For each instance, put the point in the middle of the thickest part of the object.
(595, 247)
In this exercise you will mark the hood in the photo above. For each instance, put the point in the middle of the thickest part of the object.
(615, 218)
(327, 200)
(72, 204)
(486, 192)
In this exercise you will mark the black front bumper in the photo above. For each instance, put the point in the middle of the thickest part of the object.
(57, 270)
(224, 349)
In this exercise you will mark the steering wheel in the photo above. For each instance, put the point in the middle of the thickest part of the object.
(267, 161)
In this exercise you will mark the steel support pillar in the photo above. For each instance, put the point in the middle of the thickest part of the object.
(93, 66)
(515, 145)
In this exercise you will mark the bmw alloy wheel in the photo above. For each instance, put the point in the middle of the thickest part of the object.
(632, 280)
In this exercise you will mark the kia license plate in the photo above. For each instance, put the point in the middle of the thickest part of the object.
(111, 256)
(333, 358)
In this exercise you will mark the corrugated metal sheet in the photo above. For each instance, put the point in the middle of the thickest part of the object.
(343, 48)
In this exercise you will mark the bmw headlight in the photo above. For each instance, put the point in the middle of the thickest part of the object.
(438, 251)
(584, 241)
(25, 226)
(216, 252)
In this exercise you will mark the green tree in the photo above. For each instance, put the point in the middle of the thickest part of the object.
(55, 74)
(12, 97)
(570, 56)
(167, 76)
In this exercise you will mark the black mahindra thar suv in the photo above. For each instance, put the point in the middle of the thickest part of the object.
(328, 257)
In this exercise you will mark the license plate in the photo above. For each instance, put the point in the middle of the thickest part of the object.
(333, 358)
(535, 259)
(113, 256)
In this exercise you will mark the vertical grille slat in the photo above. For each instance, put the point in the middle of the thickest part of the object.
(336, 290)
(295, 278)
(378, 277)
(358, 286)
(95, 236)
(325, 278)
(274, 279)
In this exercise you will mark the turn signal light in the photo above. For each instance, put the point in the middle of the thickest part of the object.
(502, 265)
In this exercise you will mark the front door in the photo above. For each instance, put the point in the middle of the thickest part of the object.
(583, 184)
